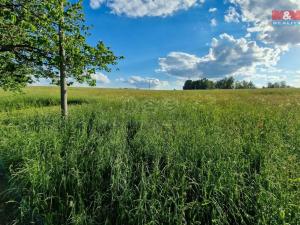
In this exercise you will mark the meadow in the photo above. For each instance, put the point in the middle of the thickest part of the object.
(137, 157)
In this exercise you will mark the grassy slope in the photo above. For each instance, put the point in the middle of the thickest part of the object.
(153, 157)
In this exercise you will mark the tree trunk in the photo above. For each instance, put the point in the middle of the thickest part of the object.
(62, 66)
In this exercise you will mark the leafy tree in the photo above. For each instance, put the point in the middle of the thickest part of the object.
(204, 84)
(244, 85)
(226, 83)
(210, 84)
(188, 85)
(273, 85)
(201, 84)
(197, 85)
(281, 84)
(47, 39)
(18, 54)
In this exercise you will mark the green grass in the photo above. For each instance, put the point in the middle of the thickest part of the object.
(152, 157)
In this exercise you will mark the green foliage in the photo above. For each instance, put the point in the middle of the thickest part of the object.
(226, 83)
(139, 157)
(188, 85)
(202, 84)
(244, 85)
(281, 84)
(29, 43)
(7, 68)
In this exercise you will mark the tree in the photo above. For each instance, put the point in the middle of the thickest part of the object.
(281, 84)
(210, 84)
(188, 85)
(201, 84)
(204, 84)
(244, 85)
(18, 54)
(47, 38)
(226, 83)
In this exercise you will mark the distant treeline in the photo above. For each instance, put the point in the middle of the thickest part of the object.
(227, 83)
(281, 84)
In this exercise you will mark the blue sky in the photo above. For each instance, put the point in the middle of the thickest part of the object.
(165, 42)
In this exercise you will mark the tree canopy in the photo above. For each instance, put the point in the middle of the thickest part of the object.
(29, 43)
(225, 83)
(281, 84)
(48, 39)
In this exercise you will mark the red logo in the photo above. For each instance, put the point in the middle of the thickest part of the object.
(286, 15)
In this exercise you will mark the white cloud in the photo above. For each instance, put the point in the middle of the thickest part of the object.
(101, 78)
(120, 79)
(144, 82)
(179, 64)
(140, 8)
(227, 56)
(259, 12)
(212, 10)
(232, 16)
(95, 4)
(248, 35)
(155, 83)
(213, 22)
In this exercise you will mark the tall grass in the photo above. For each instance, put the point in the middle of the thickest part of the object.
(140, 157)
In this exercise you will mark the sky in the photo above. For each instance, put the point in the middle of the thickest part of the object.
(166, 42)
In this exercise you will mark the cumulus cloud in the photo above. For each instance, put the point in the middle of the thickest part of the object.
(140, 8)
(144, 82)
(212, 10)
(179, 64)
(248, 35)
(227, 56)
(232, 16)
(259, 12)
(213, 22)
(101, 78)
(95, 4)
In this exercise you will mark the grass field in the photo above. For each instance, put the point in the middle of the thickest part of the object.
(150, 157)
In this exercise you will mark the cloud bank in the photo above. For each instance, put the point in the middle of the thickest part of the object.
(227, 56)
(259, 12)
(141, 8)
(212, 10)
(101, 78)
(144, 82)
(232, 16)
(213, 22)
